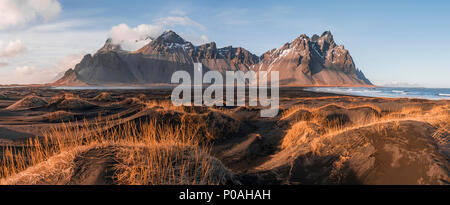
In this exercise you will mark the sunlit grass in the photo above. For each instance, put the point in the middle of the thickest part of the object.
(303, 129)
(146, 153)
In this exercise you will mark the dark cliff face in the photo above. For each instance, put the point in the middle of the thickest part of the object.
(170, 46)
(236, 55)
(303, 61)
(105, 67)
(361, 76)
(156, 61)
(223, 59)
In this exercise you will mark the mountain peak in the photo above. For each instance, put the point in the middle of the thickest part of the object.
(167, 42)
(304, 61)
(327, 33)
(325, 41)
(327, 37)
(170, 37)
(304, 36)
(109, 46)
(315, 37)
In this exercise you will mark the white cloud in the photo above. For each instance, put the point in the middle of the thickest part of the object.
(44, 50)
(195, 38)
(25, 71)
(178, 20)
(135, 38)
(204, 38)
(13, 48)
(59, 26)
(34, 75)
(18, 13)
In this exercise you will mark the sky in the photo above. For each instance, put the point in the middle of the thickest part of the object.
(396, 43)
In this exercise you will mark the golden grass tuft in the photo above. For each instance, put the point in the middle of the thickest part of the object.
(313, 130)
(300, 133)
(145, 152)
(292, 110)
(164, 105)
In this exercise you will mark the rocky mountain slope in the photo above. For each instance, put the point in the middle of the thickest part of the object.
(312, 61)
(305, 61)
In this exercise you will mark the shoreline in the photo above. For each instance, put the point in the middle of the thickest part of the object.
(158, 85)
(283, 88)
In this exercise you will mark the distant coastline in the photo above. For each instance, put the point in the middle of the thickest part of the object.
(389, 92)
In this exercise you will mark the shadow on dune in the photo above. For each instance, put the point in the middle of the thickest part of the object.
(302, 172)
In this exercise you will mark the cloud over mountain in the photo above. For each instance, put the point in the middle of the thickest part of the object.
(133, 38)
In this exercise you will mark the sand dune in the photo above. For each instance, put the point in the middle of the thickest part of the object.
(70, 102)
(362, 147)
(3, 97)
(317, 138)
(30, 101)
(117, 164)
(104, 97)
(399, 152)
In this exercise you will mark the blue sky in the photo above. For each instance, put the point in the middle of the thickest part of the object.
(393, 42)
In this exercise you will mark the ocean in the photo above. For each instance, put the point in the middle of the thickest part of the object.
(390, 92)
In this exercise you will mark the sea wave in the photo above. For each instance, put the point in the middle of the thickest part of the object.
(399, 91)
(423, 93)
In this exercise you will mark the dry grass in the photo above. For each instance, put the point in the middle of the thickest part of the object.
(164, 105)
(168, 165)
(331, 121)
(292, 110)
(302, 129)
(309, 140)
(214, 124)
(299, 133)
(146, 153)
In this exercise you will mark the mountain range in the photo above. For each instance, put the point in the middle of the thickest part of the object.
(315, 61)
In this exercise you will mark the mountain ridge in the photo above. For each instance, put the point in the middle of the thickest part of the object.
(312, 61)
(304, 61)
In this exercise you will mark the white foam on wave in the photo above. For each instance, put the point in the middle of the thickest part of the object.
(399, 91)
(421, 93)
